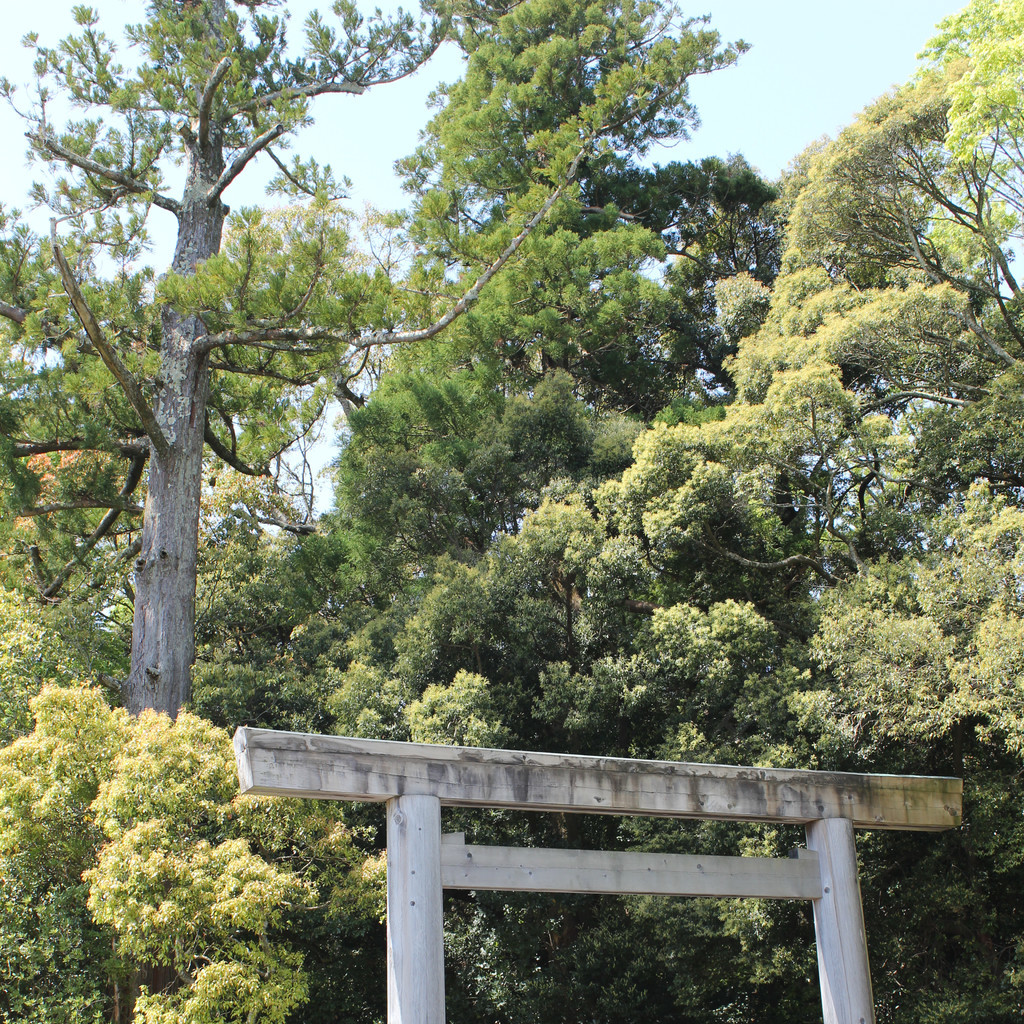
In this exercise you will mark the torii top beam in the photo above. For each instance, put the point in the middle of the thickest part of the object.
(343, 768)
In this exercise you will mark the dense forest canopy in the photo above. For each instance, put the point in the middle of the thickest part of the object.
(638, 459)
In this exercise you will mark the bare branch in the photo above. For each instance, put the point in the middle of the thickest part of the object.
(346, 395)
(23, 449)
(90, 166)
(782, 563)
(235, 168)
(15, 313)
(110, 358)
(343, 392)
(228, 456)
(299, 529)
(206, 100)
(88, 501)
(37, 567)
(298, 380)
(901, 396)
(112, 684)
(131, 482)
(295, 340)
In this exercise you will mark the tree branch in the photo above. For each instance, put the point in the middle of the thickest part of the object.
(206, 100)
(88, 501)
(782, 563)
(967, 316)
(283, 168)
(305, 335)
(84, 163)
(900, 396)
(112, 684)
(37, 566)
(226, 455)
(131, 482)
(346, 395)
(15, 313)
(295, 340)
(235, 168)
(460, 307)
(299, 529)
(297, 92)
(297, 380)
(23, 449)
(972, 322)
(110, 358)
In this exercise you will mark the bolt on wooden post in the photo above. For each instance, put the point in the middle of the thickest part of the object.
(417, 779)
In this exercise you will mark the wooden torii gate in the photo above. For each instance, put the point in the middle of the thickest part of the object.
(415, 779)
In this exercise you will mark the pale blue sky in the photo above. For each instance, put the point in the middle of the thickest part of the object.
(812, 66)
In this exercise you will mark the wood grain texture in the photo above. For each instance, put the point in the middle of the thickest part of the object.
(415, 926)
(342, 768)
(595, 871)
(843, 970)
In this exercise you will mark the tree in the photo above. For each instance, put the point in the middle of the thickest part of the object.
(622, 292)
(586, 297)
(239, 345)
(142, 887)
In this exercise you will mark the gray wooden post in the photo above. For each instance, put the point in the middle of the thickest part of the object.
(415, 923)
(839, 926)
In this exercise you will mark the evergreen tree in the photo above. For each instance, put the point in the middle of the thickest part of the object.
(238, 346)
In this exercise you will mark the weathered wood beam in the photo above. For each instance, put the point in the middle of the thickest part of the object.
(658, 874)
(342, 768)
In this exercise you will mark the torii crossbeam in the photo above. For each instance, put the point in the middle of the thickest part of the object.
(415, 779)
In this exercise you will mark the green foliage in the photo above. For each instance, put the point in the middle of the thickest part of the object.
(41, 646)
(924, 665)
(926, 648)
(983, 43)
(367, 702)
(255, 596)
(584, 296)
(210, 85)
(747, 508)
(127, 835)
(440, 466)
(462, 713)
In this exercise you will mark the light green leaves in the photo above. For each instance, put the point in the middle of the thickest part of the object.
(144, 812)
(923, 647)
(984, 43)
(462, 713)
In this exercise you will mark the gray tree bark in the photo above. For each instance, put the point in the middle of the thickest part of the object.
(163, 630)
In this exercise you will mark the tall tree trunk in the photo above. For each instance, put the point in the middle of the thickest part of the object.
(163, 630)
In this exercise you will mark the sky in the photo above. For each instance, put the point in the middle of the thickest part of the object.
(811, 67)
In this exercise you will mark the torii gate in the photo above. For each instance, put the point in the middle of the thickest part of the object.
(417, 778)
